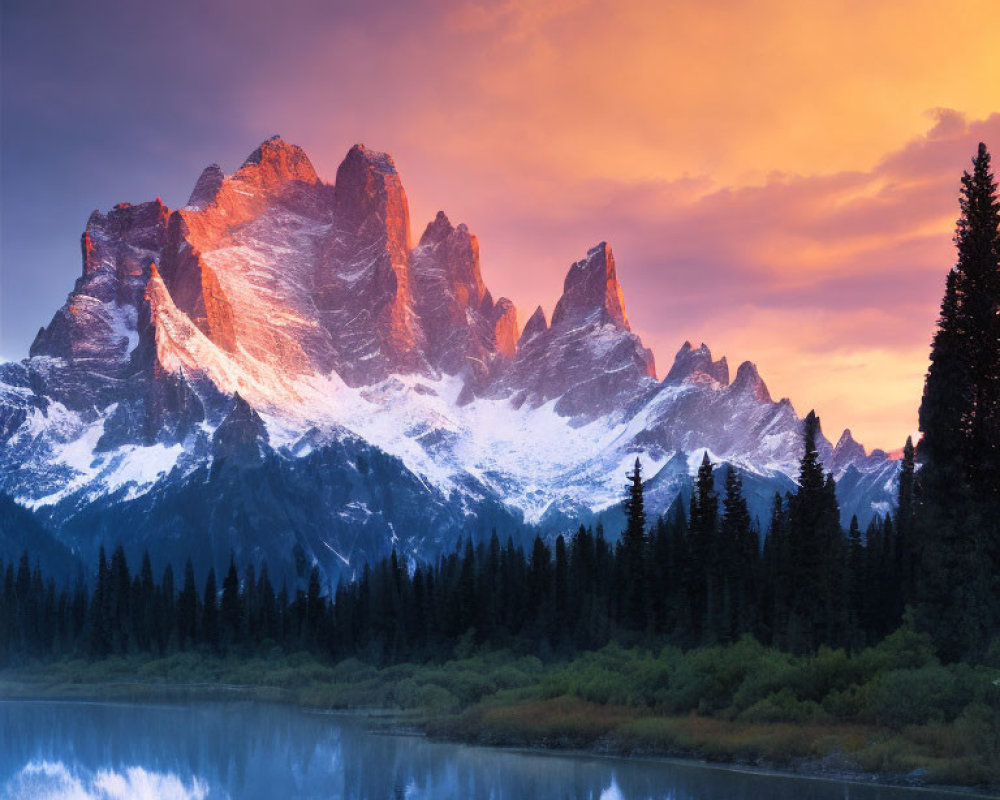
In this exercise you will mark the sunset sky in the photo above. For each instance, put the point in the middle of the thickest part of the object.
(777, 179)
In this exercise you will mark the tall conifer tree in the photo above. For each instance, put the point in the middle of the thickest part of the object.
(703, 579)
(960, 421)
(633, 569)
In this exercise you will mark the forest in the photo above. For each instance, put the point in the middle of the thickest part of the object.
(694, 577)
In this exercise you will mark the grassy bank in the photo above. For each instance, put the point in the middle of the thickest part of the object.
(892, 710)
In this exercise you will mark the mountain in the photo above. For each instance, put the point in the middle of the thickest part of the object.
(277, 370)
(21, 533)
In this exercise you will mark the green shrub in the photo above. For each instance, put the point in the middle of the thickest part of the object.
(901, 697)
(978, 729)
(784, 706)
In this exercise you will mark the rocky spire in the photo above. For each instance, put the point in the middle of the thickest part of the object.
(588, 358)
(445, 270)
(362, 280)
(748, 381)
(847, 451)
(207, 187)
(94, 331)
(368, 187)
(276, 162)
(696, 363)
(462, 325)
(591, 292)
(536, 324)
(504, 320)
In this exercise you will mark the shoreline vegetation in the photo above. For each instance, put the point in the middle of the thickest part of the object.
(891, 714)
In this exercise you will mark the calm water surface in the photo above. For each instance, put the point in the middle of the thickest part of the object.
(80, 751)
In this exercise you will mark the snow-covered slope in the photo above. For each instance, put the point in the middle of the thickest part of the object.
(280, 331)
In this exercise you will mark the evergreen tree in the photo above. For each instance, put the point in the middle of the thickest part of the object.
(702, 577)
(907, 546)
(561, 586)
(635, 511)
(144, 604)
(165, 619)
(231, 612)
(99, 622)
(314, 604)
(119, 601)
(739, 552)
(633, 568)
(856, 583)
(187, 609)
(959, 527)
(268, 624)
(977, 238)
(815, 542)
(210, 613)
(539, 589)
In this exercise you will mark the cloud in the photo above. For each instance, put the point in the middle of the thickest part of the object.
(749, 159)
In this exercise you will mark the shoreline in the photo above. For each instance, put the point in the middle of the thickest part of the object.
(435, 728)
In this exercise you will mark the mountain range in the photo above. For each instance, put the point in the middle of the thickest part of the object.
(278, 370)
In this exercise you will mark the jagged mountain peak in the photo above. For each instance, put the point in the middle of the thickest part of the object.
(276, 162)
(94, 332)
(456, 258)
(123, 217)
(847, 451)
(437, 230)
(748, 381)
(462, 326)
(587, 359)
(696, 364)
(368, 186)
(376, 159)
(536, 324)
(846, 439)
(591, 292)
(207, 187)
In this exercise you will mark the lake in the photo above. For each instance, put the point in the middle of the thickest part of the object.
(78, 751)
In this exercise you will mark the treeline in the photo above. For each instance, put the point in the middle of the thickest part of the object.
(696, 576)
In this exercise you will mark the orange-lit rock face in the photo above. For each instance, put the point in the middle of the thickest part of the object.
(274, 164)
(362, 281)
(591, 291)
(269, 276)
(505, 327)
(288, 275)
(195, 288)
(240, 257)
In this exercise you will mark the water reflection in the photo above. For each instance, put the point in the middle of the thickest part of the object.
(63, 750)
